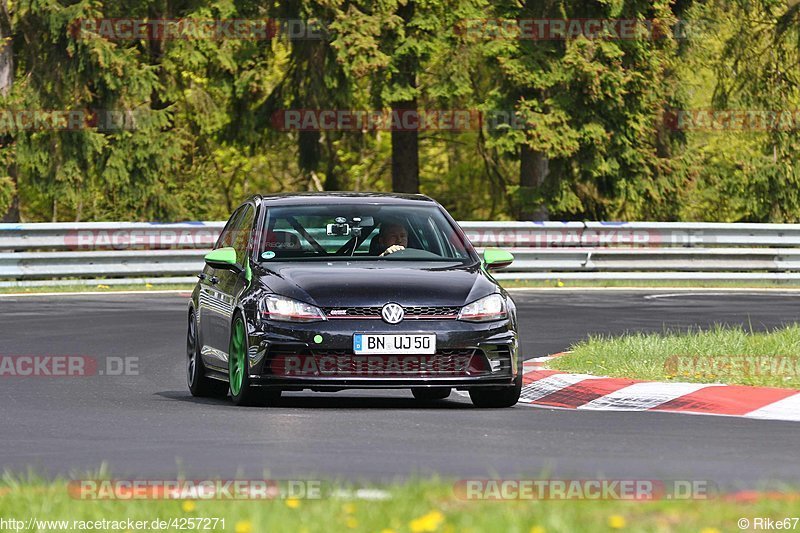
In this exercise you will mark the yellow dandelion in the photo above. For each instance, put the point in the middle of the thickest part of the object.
(709, 530)
(560, 283)
(292, 503)
(244, 526)
(616, 521)
(349, 508)
(537, 529)
(387, 530)
(351, 522)
(188, 506)
(427, 522)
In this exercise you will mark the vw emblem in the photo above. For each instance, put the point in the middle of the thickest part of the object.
(392, 313)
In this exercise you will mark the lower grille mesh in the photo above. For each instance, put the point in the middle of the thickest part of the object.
(340, 363)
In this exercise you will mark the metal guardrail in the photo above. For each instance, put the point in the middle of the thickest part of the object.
(108, 235)
(129, 252)
(631, 234)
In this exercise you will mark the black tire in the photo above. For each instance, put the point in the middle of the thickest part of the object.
(200, 385)
(430, 393)
(497, 397)
(244, 392)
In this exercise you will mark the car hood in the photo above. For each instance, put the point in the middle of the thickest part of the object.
(358, 284)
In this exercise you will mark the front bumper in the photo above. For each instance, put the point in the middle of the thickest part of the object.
(491, 348)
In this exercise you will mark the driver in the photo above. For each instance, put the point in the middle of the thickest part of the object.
(392, 237)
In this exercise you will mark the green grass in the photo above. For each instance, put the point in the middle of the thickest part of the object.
(717, 355)
(99, 287)
(416, 506)
(654, 284)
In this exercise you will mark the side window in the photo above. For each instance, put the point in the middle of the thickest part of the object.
(241, 233)
(226, 237)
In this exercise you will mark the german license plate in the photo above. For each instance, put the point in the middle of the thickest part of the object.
(371, 343)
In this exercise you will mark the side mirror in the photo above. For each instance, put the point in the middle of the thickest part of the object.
(222, 258)
(495, 258)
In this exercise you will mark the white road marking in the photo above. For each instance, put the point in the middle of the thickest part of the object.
(642, 396)
(703, 290)
(542, 387)
(786, 409)
(781, 292)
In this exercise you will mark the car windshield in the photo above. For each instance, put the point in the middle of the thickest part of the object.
(361, 231)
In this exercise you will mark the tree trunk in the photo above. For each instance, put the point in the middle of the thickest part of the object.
(6, 83)
(331, 178)
(533, 169)
(405, 153)
(309, 155)
(405, 142)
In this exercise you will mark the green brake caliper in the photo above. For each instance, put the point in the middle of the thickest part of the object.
(236, 359)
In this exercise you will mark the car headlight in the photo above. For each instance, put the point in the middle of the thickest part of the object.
(274, 307)
(492, 307)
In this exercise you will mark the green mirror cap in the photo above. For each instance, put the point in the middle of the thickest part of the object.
(497, 258)
(221, 256)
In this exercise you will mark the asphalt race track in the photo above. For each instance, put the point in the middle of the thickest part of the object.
(148, 426)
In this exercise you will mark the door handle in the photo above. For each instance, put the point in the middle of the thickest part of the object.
(214, 280)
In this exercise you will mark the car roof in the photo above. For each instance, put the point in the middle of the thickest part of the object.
(304, 198)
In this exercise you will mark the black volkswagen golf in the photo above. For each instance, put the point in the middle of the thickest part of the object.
(333, 291)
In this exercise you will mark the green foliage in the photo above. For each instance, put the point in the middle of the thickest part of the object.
(197, 133)
(745, 57)
(7, 191)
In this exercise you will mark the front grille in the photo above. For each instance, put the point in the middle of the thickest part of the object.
(342, 363)
(414, 312)
(352, 312)
(431, 312)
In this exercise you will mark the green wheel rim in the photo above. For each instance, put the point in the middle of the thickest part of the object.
(236, 358)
